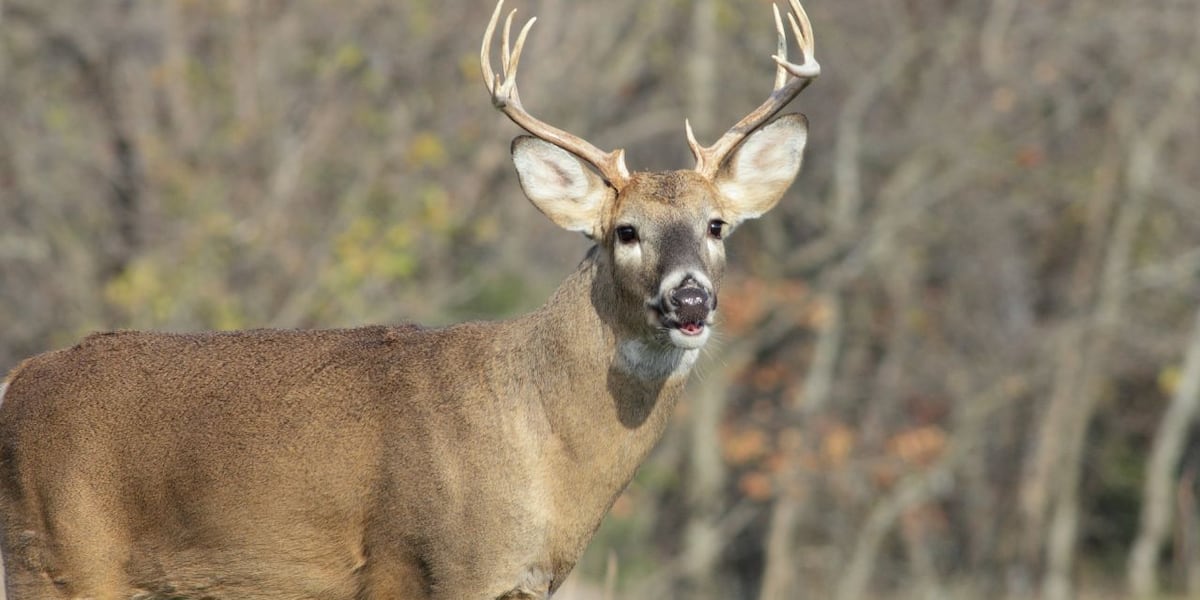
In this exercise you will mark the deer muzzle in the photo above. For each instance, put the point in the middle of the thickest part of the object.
(685, 309)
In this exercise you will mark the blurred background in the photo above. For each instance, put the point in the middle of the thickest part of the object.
(960, 360)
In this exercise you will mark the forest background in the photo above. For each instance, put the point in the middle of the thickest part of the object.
(960, 360)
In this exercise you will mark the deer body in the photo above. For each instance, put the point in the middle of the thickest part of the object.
(396, 463)
(357, 468)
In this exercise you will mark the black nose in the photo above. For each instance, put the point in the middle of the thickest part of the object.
(687, 297)
(689, 303)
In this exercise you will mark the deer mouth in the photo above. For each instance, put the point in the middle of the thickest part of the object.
(687, 333)
(689, 328)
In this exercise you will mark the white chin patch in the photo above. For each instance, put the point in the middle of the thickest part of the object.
(3, 388)
(688, 341)
(655, 361)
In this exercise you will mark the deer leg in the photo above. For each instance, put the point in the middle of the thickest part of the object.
(87, 557)
(24, 584)
(534, 585)
(26, 578)
(523, 594)
(386, 577)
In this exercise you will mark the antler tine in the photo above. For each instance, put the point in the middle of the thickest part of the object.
(505, 53)
(790, 80)
(804, 37)
(507, 99)
(781, 74)
(485, 59)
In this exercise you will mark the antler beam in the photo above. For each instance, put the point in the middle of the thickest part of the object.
(503, 89)
(790, 80)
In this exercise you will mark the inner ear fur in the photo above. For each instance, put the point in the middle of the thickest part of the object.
(561, 185)
(762, 168)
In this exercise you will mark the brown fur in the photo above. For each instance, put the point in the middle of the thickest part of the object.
(394, 463)
(321, 463)
(381, 462)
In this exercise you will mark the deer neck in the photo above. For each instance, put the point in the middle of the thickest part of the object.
(606, 390)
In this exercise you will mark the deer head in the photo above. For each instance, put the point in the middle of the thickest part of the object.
(661, 234)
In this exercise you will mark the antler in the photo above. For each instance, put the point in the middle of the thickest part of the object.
(505, 97)
(790, 80)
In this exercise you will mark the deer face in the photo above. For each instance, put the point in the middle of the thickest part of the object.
(663, 233)
(664, 238)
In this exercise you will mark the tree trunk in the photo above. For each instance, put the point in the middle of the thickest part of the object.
(1157, 493)
(1145, 147)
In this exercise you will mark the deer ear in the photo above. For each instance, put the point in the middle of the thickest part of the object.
(761, 169)
(560, 185)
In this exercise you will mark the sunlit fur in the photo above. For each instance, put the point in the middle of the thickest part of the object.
(382, 462)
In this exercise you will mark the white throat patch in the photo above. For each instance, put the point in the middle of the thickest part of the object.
(3, 388)
(655, 362)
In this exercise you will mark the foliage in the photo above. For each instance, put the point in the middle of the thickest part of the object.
(960, 331)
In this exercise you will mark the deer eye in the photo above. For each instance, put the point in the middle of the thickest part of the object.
(716, 228)
(626, 234)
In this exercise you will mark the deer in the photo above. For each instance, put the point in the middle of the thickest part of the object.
(473, 461)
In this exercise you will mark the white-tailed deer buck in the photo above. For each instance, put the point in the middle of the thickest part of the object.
(396, 463)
